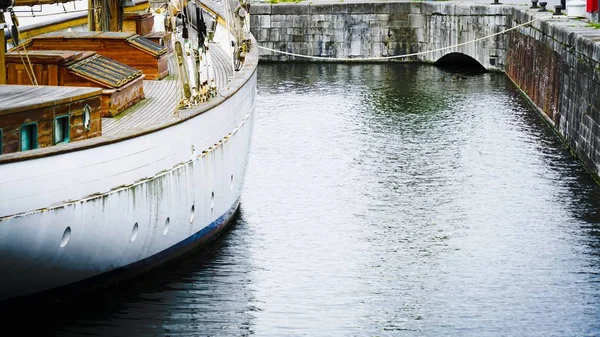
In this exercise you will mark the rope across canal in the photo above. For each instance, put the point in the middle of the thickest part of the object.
(380, 58)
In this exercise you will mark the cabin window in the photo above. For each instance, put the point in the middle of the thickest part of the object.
(29, 135)
(61, 129)
(87, 118)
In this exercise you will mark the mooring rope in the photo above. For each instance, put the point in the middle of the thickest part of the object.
(33, 15)
(375, 58)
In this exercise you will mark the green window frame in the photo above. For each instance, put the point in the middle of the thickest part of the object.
(62, 129)
(28, 136)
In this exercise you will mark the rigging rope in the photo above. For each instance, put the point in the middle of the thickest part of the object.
(375, 58)
(28, 69)
(28, 66)
(59, 13)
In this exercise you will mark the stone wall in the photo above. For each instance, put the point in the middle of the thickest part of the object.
(557, 64)
(555, 61)
(366, 30)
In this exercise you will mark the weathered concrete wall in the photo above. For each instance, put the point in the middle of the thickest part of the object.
(555, 61)
(359, 30)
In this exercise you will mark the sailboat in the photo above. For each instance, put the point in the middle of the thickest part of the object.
(124, 139)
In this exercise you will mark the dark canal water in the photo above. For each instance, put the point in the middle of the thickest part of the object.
(382, 200)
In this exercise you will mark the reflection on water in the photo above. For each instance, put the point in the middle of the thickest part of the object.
(383, 200)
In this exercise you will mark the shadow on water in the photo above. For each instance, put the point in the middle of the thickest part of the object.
(167, 299)
(460, 63)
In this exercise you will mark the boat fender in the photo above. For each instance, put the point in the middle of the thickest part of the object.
(159, 21)
(187, 47)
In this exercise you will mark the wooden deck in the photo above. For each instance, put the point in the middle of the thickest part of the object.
(163, 96)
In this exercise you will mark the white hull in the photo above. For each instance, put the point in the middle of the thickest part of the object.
(125, 203)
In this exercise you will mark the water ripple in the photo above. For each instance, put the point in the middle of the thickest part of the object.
(382, 200)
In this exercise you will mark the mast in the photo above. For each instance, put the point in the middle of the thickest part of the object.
(91, 17)
(109, 15)
(2, 49)
(4, 6)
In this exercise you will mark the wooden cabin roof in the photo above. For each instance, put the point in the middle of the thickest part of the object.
(84, 35)
(48, 56)
(18, 98)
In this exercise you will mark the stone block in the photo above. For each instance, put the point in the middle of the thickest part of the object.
(254, 23)
(462, 9)
(448, 9)
(264, 21)
(481, 10)
(377, 49)
(416, 20)
(290, 8)
(322, 24)
(415, 8)
(274, 35)
(399, 8)
(419, 35)
(278, 21)
(300, 21)
(263, 35)
(429, 8)
(316, 8)
(357, 21)
(260, 9)
(374, 24)
(318, 17)
(365, 17)
(297, 31)
(380, 8)
(361, 8)
(400, 24)
(299, 38)
(402, 17)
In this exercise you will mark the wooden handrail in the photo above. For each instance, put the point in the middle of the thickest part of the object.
(40, 2)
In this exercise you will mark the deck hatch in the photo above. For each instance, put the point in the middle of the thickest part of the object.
(100, 69)
(147, 45)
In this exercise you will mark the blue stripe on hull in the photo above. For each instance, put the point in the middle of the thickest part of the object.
(194, 241)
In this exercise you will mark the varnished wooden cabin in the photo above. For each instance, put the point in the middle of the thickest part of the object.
(140, 22)
(125, 47)
(122, 85)
(40, 116)
(99, 73)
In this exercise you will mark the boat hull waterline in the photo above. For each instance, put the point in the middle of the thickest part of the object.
(172, 190)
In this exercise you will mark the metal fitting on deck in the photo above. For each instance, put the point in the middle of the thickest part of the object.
(557, 9)
(543, 6)
(534, 4)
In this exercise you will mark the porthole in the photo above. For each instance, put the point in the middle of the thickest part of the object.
(192, 211)
(65, 237)
(134, 232)
(167, 223)
(87, 117)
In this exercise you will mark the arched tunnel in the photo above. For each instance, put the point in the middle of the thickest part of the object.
(460, 62)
